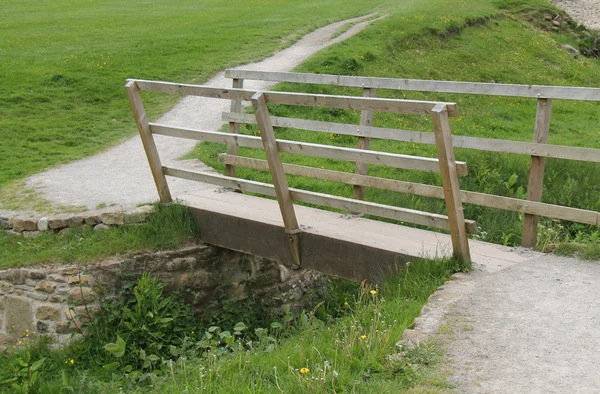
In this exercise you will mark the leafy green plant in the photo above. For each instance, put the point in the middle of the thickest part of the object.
(139, 329)
(24, 375)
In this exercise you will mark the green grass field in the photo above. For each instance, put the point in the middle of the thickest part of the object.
(63, 63)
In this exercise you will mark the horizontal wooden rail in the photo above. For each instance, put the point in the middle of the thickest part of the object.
(467, 197)
(484, 144)
(368, 208)
(491, 89)
(303, 99)
(316, 150)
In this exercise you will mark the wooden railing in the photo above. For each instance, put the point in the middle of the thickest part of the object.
(539, 149)
(446, 164)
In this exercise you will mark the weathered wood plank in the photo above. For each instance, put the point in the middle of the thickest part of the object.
(536, 171)
(467, 197)
(368, 208)
(417, 107)
(454, 208)
(316, 150)
(490, 89)
(366, 120)
(234, 127)
(148, 142)
(459, 141)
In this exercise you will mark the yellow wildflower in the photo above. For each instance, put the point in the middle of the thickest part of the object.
(304, 370)
(363, 337)
(373, 292)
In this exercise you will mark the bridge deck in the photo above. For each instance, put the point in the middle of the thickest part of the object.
(343, 245)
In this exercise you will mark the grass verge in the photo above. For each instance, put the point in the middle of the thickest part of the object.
(167, 228)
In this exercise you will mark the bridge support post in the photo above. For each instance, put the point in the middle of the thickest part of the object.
(445, 150)
(282, 190)
(536, 171)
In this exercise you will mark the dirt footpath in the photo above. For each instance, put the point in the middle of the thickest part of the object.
(530, 328)
(586, 12)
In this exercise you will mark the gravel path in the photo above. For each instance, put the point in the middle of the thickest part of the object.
(531, 328)
(586, 12)
(121, 174)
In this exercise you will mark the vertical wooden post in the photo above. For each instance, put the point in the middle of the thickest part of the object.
(277, 172)
(234, 127)
(445, 150)
(536, 170)
(133, 93)
(366, 119)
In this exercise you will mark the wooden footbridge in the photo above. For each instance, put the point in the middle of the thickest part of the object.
(350, 245)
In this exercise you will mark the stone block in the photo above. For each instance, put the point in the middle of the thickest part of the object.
(74, 221)
(41, 327)
(35, 296)
(65, 328)
(45, 286)
(79, 295)
(24, 224)
(138, 215)
(70, 270)
(93, 220)
(5, 223)
(42, 224)
(12, 275)
(101, 227)
(80, 279)
(113, 218)
(57, 278)
(56, 298)
(57, 223)
(47, 312)
(34, 273)
(18, 315)
(6, 287)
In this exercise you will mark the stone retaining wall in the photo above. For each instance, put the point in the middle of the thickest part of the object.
(55, 300)
(28, 226)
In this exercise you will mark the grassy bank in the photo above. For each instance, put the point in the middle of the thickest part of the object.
(351, 350)
(63, 63)
(470, 40)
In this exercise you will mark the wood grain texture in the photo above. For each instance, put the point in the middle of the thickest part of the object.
(417, 107)
(326, 200)
(148, 142)
(275, 166)
(366, 120)
(536, 171)
(467, 197)
(454, 208)
(459, 141)
(234, 127)
(308, 149)
(490, 89)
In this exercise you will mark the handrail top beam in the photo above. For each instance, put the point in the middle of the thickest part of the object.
(417, 107)
(424, 85)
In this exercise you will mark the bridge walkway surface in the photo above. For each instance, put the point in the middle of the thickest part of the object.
(348, 246)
